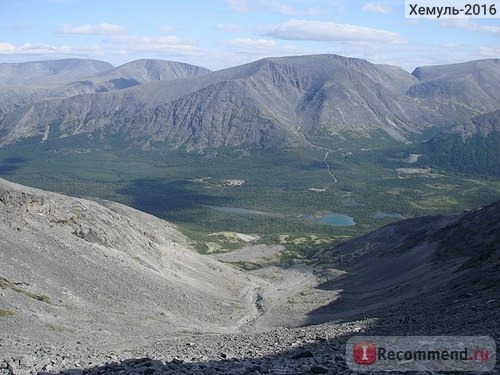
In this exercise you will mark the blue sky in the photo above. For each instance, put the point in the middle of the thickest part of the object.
(221, 33)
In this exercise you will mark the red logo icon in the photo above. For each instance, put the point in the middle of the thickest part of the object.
(365, 353)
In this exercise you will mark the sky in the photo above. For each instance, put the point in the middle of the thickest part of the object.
(217, 34)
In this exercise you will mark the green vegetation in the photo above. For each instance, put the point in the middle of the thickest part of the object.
(6, 284)
(246, 266)
(4, 313)
(185, 188)
(478, 156)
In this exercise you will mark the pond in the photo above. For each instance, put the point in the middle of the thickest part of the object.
(337, 220)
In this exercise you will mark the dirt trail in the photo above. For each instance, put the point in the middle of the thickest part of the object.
(328, 165)
(285, 299)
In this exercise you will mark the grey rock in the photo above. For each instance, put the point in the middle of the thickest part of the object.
(305, 354)
(25, 361)
(274, 102)
(319, 370)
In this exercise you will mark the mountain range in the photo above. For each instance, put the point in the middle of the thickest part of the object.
(274, 102)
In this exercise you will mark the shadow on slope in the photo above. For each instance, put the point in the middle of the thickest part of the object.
(160, 196)
(445, 281)
(441, 271)
(9, 165)
(303, 351)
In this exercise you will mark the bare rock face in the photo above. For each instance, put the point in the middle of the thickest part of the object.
(100, 273)
(32, 82)
(268, 103)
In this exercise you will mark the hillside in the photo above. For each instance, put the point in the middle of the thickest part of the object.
(100, 287)
(32, 82)
(421, 269)
(471, 146)
(100, 273)
(272, 102)
(135, 73)
(459, 90)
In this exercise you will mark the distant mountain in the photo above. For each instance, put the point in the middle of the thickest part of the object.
(274, 102)
(472, 146)
(137, 72)
(49, 72)
(33, 82)
(459, 89)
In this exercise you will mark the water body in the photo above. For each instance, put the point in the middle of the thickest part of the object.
(337, 220)
(382, 215)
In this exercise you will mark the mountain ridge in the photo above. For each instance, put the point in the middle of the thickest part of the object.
(50, 71)
(274, 101)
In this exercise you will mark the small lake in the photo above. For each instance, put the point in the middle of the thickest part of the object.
(383, 215)
(337, 220)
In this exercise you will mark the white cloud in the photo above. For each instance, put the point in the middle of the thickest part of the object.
(165, 43)
(20, 28)
(101, 29)
(165, 29)
(242, 6)
(6, 47)
(253, 43)
(328, 31)
(276, 6)
(491, 29)
(290, 11)
(489, 52)
(48, 51)
(467, 24)
(230, 28)
(120, 45)
(244, 50)
(376, 8)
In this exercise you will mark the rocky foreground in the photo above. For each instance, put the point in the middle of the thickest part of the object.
(99, 288)
(318, 349)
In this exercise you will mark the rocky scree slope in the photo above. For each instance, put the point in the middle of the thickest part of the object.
(101, 273)
(97, 287)
(425, 269)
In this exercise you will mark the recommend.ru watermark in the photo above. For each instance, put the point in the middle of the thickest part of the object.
(421, 353)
